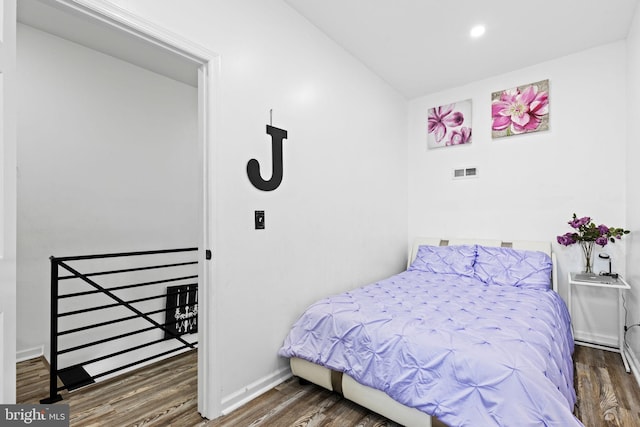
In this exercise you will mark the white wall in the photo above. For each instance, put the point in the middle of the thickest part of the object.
(337, 221)
(530, 185)
(632, 179)
(107, 162)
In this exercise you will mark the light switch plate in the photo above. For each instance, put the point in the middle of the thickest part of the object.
(259, 220)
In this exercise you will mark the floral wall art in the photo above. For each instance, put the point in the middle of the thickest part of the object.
(520, 110)
(449, 125)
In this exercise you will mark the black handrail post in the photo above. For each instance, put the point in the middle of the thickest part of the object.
(53, 342)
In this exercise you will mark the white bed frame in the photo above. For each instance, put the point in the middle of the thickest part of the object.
(377, 400)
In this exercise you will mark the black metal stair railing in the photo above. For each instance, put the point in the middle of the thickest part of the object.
(76, 380)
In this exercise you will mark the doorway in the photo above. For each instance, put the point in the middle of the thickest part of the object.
(116, 33)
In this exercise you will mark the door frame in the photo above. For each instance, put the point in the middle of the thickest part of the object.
(8, 178)
(208, 63)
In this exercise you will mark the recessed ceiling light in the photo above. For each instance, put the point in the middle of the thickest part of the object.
(477, 31)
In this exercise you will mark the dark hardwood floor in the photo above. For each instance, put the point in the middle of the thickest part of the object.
(607, 395)
(164, 394)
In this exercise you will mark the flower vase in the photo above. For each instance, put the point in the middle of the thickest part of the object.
(587, 251)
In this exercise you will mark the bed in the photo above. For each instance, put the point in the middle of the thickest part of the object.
(473, 333)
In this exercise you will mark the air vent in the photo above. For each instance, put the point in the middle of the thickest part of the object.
(465, 173)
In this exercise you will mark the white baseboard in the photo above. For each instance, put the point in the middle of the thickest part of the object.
(253, 390)
(601, 339)
(30, 353)
(634, 362)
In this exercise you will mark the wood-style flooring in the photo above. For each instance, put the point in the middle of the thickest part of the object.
(607, 394)
(164, 394)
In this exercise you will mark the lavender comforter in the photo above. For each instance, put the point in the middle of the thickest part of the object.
(450, 345)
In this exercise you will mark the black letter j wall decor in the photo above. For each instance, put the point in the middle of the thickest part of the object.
(253, 167)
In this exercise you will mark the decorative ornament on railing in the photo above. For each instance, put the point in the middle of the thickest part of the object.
(182, 310)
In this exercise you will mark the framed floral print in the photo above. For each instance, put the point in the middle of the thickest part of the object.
(449, 125)
(519, 110)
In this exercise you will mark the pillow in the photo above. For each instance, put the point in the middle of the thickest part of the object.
(512, 267)
(445, 259)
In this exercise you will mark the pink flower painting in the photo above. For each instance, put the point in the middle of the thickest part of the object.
(449, 125)
(520, 110)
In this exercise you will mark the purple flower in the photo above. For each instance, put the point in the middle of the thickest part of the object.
(456, 119)
(602, 241)
(460, 137)
(441, 118)
(567, 239)
(586, 231)
(579, 222)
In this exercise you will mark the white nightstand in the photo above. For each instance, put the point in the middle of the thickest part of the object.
(621, 286)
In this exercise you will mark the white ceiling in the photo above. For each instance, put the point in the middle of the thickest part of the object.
(64, 22)
(423, 46)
